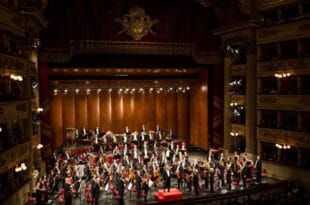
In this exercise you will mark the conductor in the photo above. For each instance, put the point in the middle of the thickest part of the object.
(167, 178)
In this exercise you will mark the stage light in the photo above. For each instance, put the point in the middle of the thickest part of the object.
(187, 88)
(77, 91)
(99, 90)
(0, 129)
(65, 91)
(110, 90)
(160, 89)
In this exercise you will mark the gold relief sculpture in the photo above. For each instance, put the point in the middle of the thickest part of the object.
(136, 24)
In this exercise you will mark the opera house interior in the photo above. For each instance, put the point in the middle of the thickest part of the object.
(154, 102)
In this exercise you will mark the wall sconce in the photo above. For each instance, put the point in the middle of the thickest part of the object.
(39, 146)
(233, 104)
(234, 134)
(283, 146)
(20, 168)
(282, 75)
(16, 77)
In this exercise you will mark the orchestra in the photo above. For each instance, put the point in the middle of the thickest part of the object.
(139, 161)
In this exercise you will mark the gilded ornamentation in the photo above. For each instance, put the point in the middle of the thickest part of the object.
(281, 136)
(136, 24)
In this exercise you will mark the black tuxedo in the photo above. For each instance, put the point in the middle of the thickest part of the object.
(196, 183)
(258, 166)
(167, 178)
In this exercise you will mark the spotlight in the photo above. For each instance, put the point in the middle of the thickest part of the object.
(110, 90)
(77, 91)
(0, 129)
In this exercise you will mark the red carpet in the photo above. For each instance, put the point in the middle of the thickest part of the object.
(174, 194)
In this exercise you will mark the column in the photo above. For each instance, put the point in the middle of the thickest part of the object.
(227, 113)
(250, 101)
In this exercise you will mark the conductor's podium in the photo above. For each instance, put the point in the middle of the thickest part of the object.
(174, 194)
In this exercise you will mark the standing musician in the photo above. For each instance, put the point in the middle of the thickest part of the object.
(96, 142)
(167, 178)
(196, 181)
(258, 168)
(138, 183)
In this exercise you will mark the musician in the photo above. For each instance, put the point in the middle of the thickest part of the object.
(160, 136)
(97, 132)
(170, 136)
(95, 189)
(178, 171)
(145, 153)
(258, 168)
(228, 178)
(125, 138)
(138, 183)
(127, 131)
(167, 178)
(196, 181)
(212, 172)
(143, 129)
(121, 190)
(96, 143)
(183, 147)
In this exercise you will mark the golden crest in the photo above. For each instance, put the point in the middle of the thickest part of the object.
(136, 24)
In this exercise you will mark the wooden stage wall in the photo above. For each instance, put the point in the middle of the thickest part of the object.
(184, 113)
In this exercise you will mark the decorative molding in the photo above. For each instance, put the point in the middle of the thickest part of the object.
(129, 48)
(12, 21)
(10, 158)
(240, 129)
(297, 66)
(240, 99)
(136, 24)
(283, 32)
(267, 4)
(9, 62)
(16, 108)
(237, 33)
(298, 139)
(238, 69)
(284, 102)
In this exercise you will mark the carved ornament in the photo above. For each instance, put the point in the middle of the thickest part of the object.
(10, 158)
(299, 139)
(136, 24)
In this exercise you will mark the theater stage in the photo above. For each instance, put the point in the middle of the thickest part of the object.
(181, 196)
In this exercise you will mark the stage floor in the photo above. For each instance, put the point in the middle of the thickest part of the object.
(130, 198)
